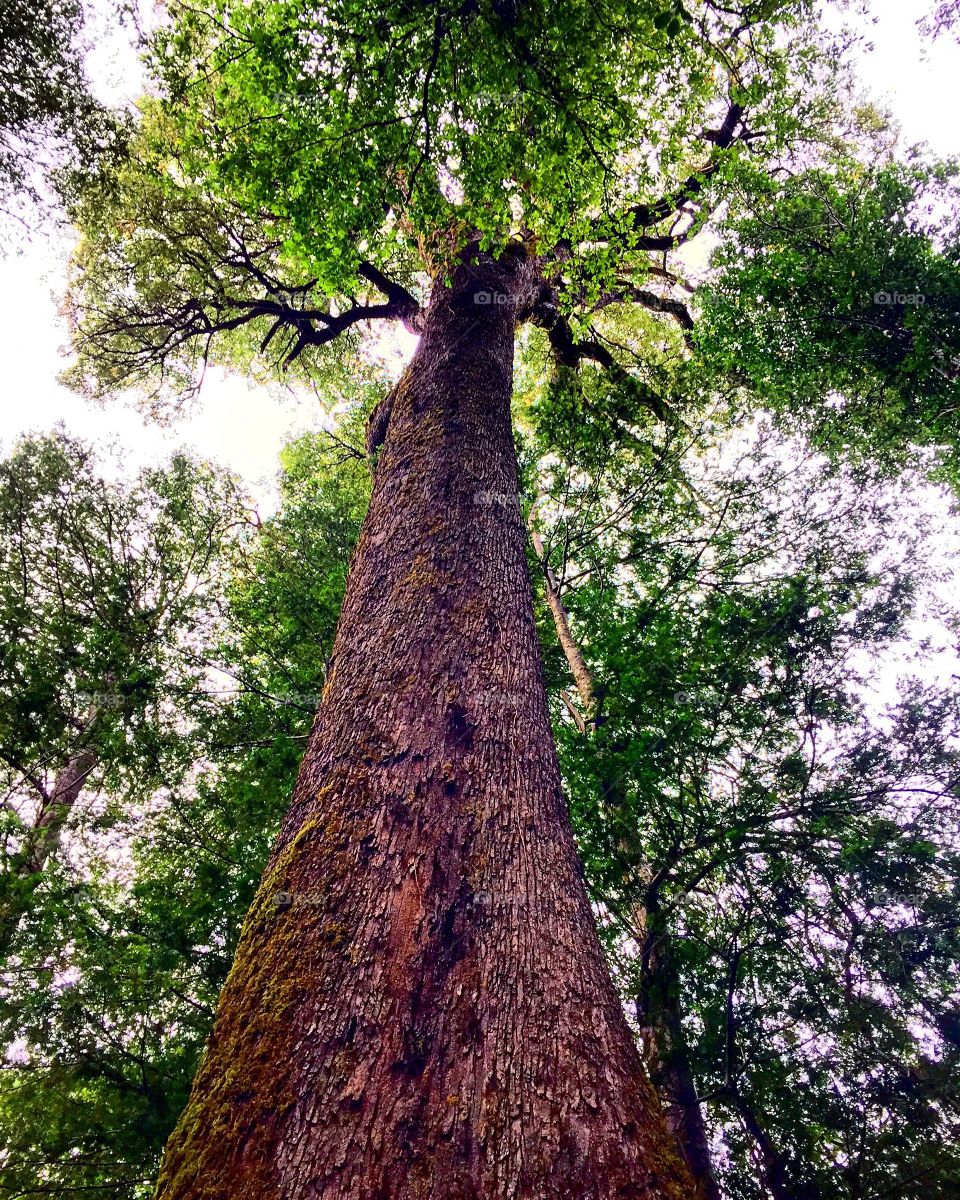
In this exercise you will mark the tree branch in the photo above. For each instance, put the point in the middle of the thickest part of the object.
(641, 217)
(571, 353)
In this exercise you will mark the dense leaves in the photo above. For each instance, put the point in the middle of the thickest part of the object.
(303, 171)
(48, 116)
(103, 593)
(837, 302)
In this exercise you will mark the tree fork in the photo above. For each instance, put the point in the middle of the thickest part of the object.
(419, 1004)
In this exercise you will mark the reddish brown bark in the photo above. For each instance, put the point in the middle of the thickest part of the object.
(419, 1006)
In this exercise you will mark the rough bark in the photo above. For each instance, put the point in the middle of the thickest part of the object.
(419, 1006)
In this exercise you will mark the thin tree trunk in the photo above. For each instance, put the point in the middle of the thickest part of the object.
(419, 1005)
(41, 840)
(582, 675)
(658, 1005)
(659, 1016)
(47, 830)
(774, 1165)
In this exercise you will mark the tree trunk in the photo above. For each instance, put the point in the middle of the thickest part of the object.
(659, 1016)
(40, 841)
(774, 1166)
(582, 675)
(419, 1006)
(48, 828)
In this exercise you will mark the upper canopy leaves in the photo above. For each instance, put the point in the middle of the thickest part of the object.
(308, 168)
(302, 161)
(837, 302)
(368, 127)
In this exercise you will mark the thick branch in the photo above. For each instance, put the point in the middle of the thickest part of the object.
(643, 216)
(654, 301)
(571, 353)
(405, 303)
(637, 219)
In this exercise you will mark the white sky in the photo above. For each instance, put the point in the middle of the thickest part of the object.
(243, 427)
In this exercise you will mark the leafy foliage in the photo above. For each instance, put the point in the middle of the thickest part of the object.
(837, 304)
(303, 171)
(775, 862)
(103, 591)
(48, 115)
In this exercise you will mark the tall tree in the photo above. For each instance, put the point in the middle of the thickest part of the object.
(102, 588)
(421, 956)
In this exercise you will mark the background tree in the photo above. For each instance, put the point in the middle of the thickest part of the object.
(836, 302)
(724, 763)
(48, 116)
(102, 591)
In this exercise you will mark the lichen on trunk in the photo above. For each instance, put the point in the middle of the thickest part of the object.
(419, 1005)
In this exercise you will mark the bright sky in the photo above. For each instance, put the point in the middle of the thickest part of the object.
(244, 427)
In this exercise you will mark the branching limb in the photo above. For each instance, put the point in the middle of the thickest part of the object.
(138, 338)
(632, 223)
(571, 353)
(655, 301)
